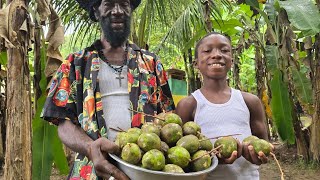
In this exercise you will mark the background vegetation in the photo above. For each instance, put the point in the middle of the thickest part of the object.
(276, 46)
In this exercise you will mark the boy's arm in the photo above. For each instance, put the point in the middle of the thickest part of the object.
(186, 108)
(257, 116)
(258, 128)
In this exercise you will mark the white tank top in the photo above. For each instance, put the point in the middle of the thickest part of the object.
(232, 117)
(115, 99)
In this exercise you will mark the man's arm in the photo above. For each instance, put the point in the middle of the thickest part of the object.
(76, 139)
(71, 134)
(258, 128)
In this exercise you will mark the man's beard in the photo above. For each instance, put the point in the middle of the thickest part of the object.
(115, 38)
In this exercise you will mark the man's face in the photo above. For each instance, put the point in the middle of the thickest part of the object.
(114, 17)
(214, 56)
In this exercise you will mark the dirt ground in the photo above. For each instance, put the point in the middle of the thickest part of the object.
(293, 168)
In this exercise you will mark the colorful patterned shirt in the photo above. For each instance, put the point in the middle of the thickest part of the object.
(74, 95)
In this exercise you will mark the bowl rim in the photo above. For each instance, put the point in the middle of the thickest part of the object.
(211, 168)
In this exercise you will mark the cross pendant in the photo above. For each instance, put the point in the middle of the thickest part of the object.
(119, 77)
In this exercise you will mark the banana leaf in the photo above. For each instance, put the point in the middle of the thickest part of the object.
(3, 58)
(282, 108)
(272, 56)
(46, 145)
(303, 89)
(304, 15)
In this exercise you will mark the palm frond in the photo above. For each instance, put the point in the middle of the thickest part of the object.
(190, 24)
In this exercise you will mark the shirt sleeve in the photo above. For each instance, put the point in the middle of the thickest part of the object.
(164, 93)
(60, 102)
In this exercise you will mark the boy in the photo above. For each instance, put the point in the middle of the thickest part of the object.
(221, 110)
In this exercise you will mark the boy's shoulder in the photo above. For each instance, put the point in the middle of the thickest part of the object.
(186, 108)
(249, 96)
(251, 100)
(188, 101)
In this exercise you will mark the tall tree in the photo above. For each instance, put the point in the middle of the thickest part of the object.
(2, 101)
(315, 127)
(18, 150)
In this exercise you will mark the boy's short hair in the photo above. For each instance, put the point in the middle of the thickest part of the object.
(200, 41)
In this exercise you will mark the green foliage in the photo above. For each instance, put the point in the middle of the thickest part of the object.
(227, 26)
(46, 145)
(304, 15)
(253, 3)
(42, 152)
(3, 58)
(303, 164)
(272, 56)
(247, 70)
(185, 26)
(46, 149)
(68, 46)
(282, 108)
(303, 88)
(271, 11)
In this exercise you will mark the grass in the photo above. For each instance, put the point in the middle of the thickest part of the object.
(311, 165)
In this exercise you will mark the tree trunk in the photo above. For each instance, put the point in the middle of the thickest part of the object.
(192, 80)
(236, 69)
(207, 16)
(260, 76)
(301, 136)
(37, 64)
(2, 126)
(236, 72)
(186, 66)
(315, 127)
(2, 109)
(18, 159)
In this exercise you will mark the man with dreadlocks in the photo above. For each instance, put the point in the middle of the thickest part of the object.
(93, 90)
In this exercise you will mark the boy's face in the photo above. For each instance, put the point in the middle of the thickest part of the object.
(214, 56)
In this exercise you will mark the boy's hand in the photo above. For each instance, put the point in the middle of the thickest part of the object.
(235, 155)
(249, 154)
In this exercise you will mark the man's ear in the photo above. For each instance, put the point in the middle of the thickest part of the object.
(96, 13)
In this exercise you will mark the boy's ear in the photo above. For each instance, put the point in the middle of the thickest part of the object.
(195, 63)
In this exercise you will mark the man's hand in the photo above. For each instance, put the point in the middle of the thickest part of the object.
(249, 154)
(98, 151)
(234, 156)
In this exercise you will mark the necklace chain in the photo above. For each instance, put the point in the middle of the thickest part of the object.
(116, 69)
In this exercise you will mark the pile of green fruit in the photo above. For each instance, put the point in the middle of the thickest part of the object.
(166, 145)
(259, 144)
(226, 145)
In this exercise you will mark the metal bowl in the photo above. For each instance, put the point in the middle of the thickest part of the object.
(138, 173)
